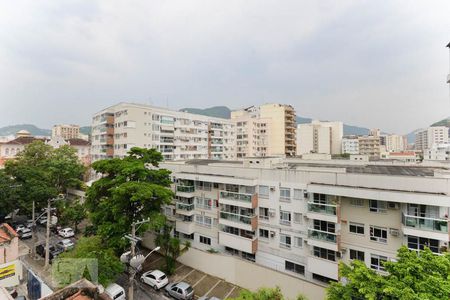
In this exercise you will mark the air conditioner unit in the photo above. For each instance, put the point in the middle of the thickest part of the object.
(272, 213)
(272, 234)
(343, 250)
(272, 189)
(393, 205)
(394, 232)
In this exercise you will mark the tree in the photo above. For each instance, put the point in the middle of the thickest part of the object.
(109, 265)
(131, 189)
(264, 294)
(73, 214)
(171, 247)
(415, 275)
(7, 195)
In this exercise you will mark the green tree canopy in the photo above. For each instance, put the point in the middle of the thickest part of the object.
(414, 276)
(109, 265)
(72, 213)
(8, 197)
(264, 294)
(131, 189)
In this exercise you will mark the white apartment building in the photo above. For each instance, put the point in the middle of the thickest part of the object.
(319, 137)
(301, 218)
(427, 138)
(177, 135)
(350, 145)
(265, 130)
(66, 131)
(395, 143)
(437, 152)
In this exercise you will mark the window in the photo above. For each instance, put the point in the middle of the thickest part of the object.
(298, 194)
(264, 213)
(322, 278)
(320, 198)
(324, 226)
(378, 234)
(285, 218)
(285, 194)
(203, 220)
(298, 242)
(285, 241)
(357, 202)
(264, 233)
(298, 218)
(376, 262)
(377, 206)
(419, 243)
(263, 191)
(293, 267)
(205, 240)
(356, 228)
(324, 253)
(355, 254)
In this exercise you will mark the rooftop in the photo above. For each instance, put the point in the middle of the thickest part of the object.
(7, 233)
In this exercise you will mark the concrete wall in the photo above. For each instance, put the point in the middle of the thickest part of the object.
(249, 275)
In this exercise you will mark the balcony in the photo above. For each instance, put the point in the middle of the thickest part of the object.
(185, 188)
(185, 227)
(239, 221)
(245, 200)
(185, 208)
(323, 267)
(425, 227)
(325, 212)
(323, 239)
(249, 245)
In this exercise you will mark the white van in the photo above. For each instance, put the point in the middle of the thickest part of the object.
(115, 292)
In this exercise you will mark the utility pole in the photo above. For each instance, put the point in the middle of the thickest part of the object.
(47, 237)
(132, 270)
(33, 231)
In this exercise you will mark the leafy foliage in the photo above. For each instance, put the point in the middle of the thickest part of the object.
(422, 275)
(264, 294)
(171, 247)
(109, 265)
(72, 214)
(7, 195)
(132, 188)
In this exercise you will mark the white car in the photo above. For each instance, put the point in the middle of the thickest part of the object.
(115, 292)
(66, 244)
(25, 234)
(20, 227)
(66, 232)
(155, 279)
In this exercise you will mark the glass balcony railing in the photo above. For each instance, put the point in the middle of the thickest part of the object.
(423, 223)
(185, 206)
(321, 235)
(329, 209)
(236, 218)
(236, 196)
(185, 188)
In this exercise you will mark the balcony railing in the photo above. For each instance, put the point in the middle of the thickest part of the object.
(185, 206)
(321, 235)
(236, 196)
(236, 218)
(423, 223)
(329, 209)
(185, 188)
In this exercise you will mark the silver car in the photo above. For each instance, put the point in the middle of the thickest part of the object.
(180, 290)
(208, 298)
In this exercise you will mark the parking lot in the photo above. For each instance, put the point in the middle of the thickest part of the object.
(203, 284)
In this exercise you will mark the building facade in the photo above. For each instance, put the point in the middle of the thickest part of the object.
(177, 135)
(266, 130)
(427, 138)
(320, 137)
(395, 143)
(300, 219)
(437, 152)
(10, 266)
(350, 145)
(369, 145)
(66, 131)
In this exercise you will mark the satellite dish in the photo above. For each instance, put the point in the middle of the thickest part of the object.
(137, 261)
(125, 258)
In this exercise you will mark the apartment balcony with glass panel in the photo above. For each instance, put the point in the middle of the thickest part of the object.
(238, 199)
(185, 208)
(323, 239)
(424, 226)
(321, 211)
(246, 222)
(185, 190)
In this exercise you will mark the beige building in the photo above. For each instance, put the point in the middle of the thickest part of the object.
(300, 218)
(66, 131)
(177, 135)
(10, 266)
(265, 130)
(431, 136)
(369, 145)
(395, 143)
(319, 137)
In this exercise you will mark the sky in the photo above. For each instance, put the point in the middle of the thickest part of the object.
(380, 64)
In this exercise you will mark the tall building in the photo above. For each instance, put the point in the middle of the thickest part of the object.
(427, 138)
(395, 143)
(319, 137)
(350, 144)
(177, 135)
(302, 218)
(437, 152)
(66, 131)
(265, 130)
(369, 145)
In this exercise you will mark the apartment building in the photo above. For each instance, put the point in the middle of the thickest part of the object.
(350, 144)
(395, 143)
(301, 218)
(320, 137)
(437, 152)
(177, 135)
(427, 138)
(369, 145)
(265, 130)
(66, 131)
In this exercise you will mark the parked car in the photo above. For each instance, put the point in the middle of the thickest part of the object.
(115, 292)
(66, 244)
(66, 232)
(208, 298)
(155, 278)
(42, 221)
(180, 290)
(29, 224)
(19, 227)
(25, 234)
(54, 251)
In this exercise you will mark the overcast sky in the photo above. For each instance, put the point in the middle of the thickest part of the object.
(369, 63)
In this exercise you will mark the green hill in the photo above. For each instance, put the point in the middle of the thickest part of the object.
(34, 130)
